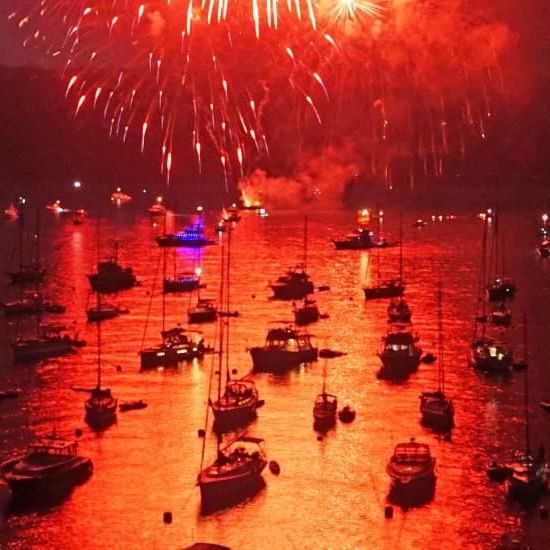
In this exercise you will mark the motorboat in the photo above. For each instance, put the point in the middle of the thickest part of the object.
(501, 289)
(528, 477)
(412, 472)
(192, 236)
(234, 475)
(361, 239)
(111, 276)
(543, 248)
(31, 302)
(205, 311)
(49, 469)
(490, 355)
(284, 348)
(176, 347)
(185, 282)
(132, 405)
(119, 197)
(50, 341)
(400, 353)
(325, 408)
(399, 311)
(295, 284)
(307, 313)
(104, 311)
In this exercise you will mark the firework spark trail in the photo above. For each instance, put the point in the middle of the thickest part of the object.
(406, 78)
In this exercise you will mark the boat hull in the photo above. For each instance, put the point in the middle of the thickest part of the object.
(26, 277)
(292, 291)
(168, 357)
(275, 360)
(217, 494)
(36, 350)
(107, 285)
(57, 484)
(206, 316)
(180, 285)
(395, 366)
(226, 418)
(374, 293)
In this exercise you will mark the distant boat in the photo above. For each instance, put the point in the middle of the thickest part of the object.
(11, 212)
(9, 394)
(501, 315)
(412, 472)
(543, 248)
(361, 239)
(49, 469)
(31, 271)
(284, 349)
(400, 353)
(119, 197)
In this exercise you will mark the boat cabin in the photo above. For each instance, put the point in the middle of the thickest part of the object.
(288, 339)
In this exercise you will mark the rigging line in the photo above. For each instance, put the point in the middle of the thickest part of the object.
(151, 300)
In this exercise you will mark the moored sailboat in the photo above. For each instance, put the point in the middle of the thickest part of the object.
(400, 353)
(325, 406)
(528, 477)
(436, 408)
(101, 406)
(237, 399)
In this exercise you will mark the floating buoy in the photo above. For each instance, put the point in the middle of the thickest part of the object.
(78, 432)
(428, 358)
(543, 512)
(234, 371)
(201, 432)
(347, 414)
(167, 517)
(118, 368)
(274, 467)
(319, 438)
(388, 512)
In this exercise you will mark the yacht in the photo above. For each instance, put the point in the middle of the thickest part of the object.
(50, 468)
(284, 348)
(400, 354)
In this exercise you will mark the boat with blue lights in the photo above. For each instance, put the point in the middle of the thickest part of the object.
(192, 236)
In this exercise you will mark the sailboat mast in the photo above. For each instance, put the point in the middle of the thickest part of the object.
(305, 244)
(526, 382)
(163, 326)
(226, 305)
(98, 305)
(21, 229)
(221, 324)
(440, 350)
(401, 248)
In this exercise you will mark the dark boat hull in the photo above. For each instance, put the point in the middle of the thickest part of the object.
(216, 495)
(398, 367)
(41, 350)
(291, 291)
(274, 360)
(228, 418)
(27, 489)
(168, 357)
(26, 277)
(196, 317)
(180, 285)
(374, 293)
(107, 285)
